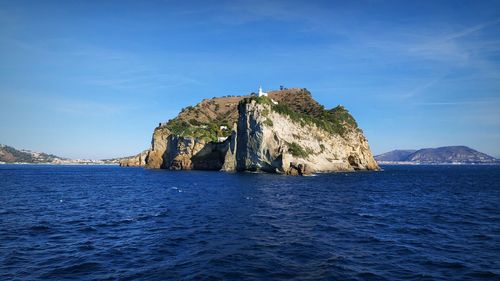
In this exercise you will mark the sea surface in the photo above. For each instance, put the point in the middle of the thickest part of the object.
(112, 223)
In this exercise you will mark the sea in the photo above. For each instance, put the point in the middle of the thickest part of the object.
(111, 223)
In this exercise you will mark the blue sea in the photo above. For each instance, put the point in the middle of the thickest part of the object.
(112, 223)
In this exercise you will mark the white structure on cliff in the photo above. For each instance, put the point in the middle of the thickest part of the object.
(261, 93)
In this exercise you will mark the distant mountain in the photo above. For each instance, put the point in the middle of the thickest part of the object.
(440, 155)
(9, 154)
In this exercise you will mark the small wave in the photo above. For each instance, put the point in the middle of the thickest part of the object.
(6, 212)
(87, 229)
(14, 257)
(487, 275)
(161, 214)
(73, 269)
(86, 246)
(40, 228)
(415, 230)
(369, 239)
(445, 264)
(369, 276)
(127, 220)
(482, 237)
(140, 217)
(364, 215)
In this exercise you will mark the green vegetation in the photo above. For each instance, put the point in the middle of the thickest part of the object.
(298, 151)
(197, 129)
(335, 121)
(265, 112)
(187, 109)
(268, 122)
(341, 114)
(194, 122)
(257, 99)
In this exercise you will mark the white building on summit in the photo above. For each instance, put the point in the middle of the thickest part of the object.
(261, 93)
(264, 94)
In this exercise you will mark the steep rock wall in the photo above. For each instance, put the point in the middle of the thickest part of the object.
(135, 161)
(271, 142)
(182, 153)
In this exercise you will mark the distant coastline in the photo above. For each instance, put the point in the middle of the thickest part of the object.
(11, 155)
(435, 164)
(446, 155)
(63, 163)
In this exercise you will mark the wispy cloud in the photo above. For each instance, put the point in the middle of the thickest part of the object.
(127, 71)
(90, 108)
(423, 87)
(488, 101)
(141, 81)
(65, 104)
(470, 30)
(103, 67)
(451, 46)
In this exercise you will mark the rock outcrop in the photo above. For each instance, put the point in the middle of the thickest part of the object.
(288, 133)
(270, 141)
(135, 161)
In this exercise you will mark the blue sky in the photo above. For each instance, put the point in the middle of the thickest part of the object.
(91, 79)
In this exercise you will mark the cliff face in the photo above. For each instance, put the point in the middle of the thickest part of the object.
(286, 133)
(173, 152)
(273, 142)
(157, 153)
(135, 161)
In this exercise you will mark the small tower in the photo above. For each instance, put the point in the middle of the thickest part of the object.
(261, 93)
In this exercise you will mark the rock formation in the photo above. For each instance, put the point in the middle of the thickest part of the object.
(274, 142)
(136, 160)
(286, 132)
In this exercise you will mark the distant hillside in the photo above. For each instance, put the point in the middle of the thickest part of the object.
(440, 155)
(9, 154)
(395, 155)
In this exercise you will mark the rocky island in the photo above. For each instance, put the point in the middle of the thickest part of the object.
(284, 131)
